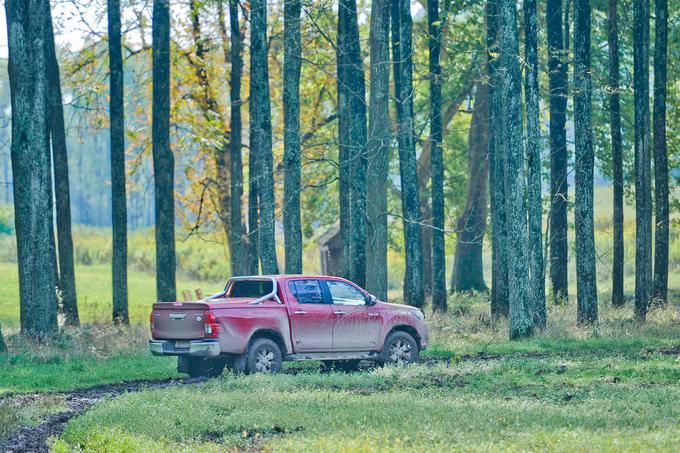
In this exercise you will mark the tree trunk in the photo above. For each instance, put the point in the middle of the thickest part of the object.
(468, 271)
(379, 137)
(403, 75)
(617, 153)
(643, 179)
(163, 159)
(660, 152)
(292, 61)
(261, 135)
(66, 274)
(438, 226)
(586, 277)
(499, 263)
(31, 166)
(352, 130)
(557, 71)
(535, 202)
(117, 134)
(3, 346)
(239, 250)
(520, 315)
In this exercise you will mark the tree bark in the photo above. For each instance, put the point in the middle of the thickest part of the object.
(3, 346)
(586, 277)
(403, 75)
(533, 152)
(66, 273)
(499, 264)
(617, 153)
(436, 136)
(557, 71)
(261, 135)
(117, 136)
(239, 246)
(379, 138)
(31, 166)
(292, 61)
(163, 159)
(520, 315)
(643, 180)
(352, 130)
(660, 152)
(468, 271)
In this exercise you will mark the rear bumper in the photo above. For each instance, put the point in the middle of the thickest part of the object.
(197, 348)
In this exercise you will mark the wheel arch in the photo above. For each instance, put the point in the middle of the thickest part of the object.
(408, 329)
(272, 335)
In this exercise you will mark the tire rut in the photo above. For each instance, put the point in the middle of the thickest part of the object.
(34, 438)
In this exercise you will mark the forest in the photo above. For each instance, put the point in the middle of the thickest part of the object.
(510, 168)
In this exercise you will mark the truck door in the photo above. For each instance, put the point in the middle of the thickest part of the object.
(311, 318)
(357, 325)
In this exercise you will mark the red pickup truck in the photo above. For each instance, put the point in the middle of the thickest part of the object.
(258, 322)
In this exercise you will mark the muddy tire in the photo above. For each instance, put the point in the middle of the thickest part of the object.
(400, 349)
(200, 367)
(263, 356)
(343, 366)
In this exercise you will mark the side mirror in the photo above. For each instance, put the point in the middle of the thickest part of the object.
(371, 300)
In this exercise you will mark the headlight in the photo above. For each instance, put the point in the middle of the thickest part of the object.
(419, 314)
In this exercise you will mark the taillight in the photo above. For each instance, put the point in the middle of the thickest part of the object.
(211, 326)
(151, 326)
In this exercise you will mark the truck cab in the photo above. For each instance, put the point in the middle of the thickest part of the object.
(258, 322)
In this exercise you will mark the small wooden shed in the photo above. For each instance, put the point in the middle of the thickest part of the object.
(330, 250)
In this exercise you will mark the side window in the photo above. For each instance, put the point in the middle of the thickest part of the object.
(345, 294)
(306, 291)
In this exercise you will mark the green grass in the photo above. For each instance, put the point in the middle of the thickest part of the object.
(93, 284)
(27, 411)
(587, 401)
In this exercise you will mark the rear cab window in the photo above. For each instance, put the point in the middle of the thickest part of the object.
(252, 289)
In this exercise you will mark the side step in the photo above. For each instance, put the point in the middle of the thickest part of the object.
(360, 355)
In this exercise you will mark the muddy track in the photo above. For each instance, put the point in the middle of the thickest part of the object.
(34, 438)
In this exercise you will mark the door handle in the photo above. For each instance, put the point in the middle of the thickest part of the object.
(300, 312)
(340, 312)
(373, 315)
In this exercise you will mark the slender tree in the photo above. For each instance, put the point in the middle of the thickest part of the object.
(586, 283)
(352, 129)
(3, 346)
(468, 269)
(520, 314)
(379, 137)
(62, 196)
(239, 250)
(557, 72)
(643, 180)
(261, 135)
(660, 152)
(117, 137)
(292, 60)
(402, 25)
(533, 153)
(499, 264)
(163, 159)
(31, 166)
(617, 152)
(438, 238)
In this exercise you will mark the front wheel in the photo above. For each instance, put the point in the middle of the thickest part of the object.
(400, 349)
(263, 356)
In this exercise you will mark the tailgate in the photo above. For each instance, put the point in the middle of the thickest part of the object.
(179, 321)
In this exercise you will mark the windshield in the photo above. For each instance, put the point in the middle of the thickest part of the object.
(249, 288)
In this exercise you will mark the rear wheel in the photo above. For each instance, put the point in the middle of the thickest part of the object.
(400, 349)
(198, 366)
(263, 356)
